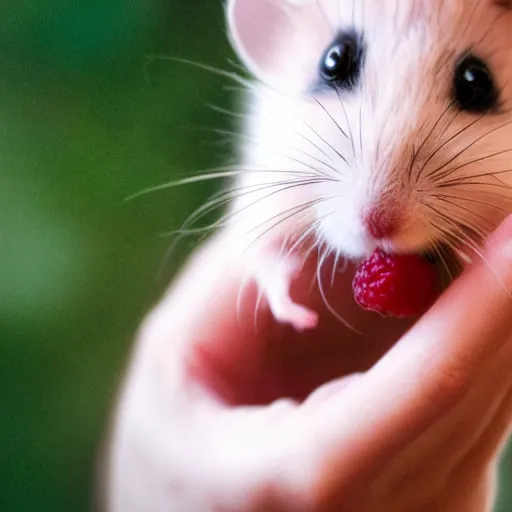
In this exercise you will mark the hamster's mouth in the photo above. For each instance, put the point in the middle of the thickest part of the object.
(448, 265)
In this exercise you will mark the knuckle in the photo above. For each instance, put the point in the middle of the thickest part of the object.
(453, 381)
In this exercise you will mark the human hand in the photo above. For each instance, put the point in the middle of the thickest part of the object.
(218, 415)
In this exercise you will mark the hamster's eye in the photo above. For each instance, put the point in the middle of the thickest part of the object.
(474, 87)
(341, 61)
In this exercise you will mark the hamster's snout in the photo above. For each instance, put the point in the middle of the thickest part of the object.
(382, 221)
(390, 223)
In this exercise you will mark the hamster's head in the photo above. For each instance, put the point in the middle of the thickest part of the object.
(402, 109)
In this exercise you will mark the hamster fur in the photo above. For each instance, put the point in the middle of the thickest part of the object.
(410, 148)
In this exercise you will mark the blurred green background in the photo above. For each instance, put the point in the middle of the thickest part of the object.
(82, 126)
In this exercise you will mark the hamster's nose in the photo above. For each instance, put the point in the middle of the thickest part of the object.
(381, 222)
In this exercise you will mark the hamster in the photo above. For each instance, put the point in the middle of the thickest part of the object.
(369, 124)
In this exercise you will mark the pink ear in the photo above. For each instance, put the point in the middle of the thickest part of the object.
(258, 29)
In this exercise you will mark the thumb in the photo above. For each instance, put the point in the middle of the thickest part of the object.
(423, 376)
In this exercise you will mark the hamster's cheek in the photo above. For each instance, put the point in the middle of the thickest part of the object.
(412, 240)
(343, 233)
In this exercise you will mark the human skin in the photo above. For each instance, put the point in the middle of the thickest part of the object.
(220, 412)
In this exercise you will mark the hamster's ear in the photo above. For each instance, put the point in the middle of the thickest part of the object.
(258, 30)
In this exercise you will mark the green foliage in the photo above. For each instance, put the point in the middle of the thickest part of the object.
(84, 124)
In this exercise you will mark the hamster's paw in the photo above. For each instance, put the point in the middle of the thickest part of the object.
(286, 311)
(275, 279)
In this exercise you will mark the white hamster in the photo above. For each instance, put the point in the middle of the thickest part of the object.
(371, 123)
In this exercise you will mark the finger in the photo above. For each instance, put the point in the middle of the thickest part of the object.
(478, 427)
(428, 372)
(327, 391)
(465, 426)
(477, 472)
(494, 438)
(458, 434)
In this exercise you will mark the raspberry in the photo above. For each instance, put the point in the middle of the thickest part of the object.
(395, 285)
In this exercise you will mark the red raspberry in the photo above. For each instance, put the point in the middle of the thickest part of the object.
(395, 285)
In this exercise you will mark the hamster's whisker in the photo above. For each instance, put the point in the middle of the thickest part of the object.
(478, 139)
(471, 162)
(306, 233)
(444, 217)
(337, 258)
(205, 210)
(466, 240)
(320, 161)
(445, 235)
(235, 77)
(469, 243)
(296, 210)
(414, 156)
(466, 223)
(361, 122)
(490, 173)
(439, 254)
(206, 175)
(293, 179)
(351, 133)
(463, 238)
(500, 191)
(471, 200)
(467, 210)
(237, 115)
(212, 174)
(464, 182)
(427, 137)
(262, 291)
(237, 65)
(326, 142)
(230, 195)
(437, 123)
(314, 247)
(321, 262)
(319, 103)
(446, 142)
(304, 236)
(464, 179)
(247, 84)
(457, 113)
(339, 128)
(440, 250)
(259, 142)
(257, 187)
(234, 89)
